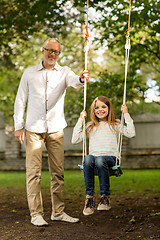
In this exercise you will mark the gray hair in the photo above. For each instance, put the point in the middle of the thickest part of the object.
(51, 40)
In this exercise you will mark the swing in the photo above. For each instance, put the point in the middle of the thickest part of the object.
(115, 170)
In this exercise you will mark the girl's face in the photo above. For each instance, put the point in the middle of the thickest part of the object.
(101, 110)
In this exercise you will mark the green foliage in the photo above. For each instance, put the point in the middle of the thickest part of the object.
(143, 107)
(20, 20)
(24, 18)
(73, 50)
(25, 25)
(144, 33)
(112, 86)
(144, 26)
(8, 88)
(111, 21)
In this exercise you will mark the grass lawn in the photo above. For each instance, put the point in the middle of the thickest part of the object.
(134, 214)
(141, 182)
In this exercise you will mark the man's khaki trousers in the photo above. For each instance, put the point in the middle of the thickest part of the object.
(55, 149)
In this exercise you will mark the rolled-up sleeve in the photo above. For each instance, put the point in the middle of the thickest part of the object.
(72, 79)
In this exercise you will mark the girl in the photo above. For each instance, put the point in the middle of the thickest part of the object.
(102, 131)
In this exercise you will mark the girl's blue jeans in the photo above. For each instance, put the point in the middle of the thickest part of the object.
(102, 164)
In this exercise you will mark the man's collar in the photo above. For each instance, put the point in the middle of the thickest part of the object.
(56, 67)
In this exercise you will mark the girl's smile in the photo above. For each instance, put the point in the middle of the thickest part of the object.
(101, 110)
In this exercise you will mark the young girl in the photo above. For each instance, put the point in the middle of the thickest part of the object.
(102, 131)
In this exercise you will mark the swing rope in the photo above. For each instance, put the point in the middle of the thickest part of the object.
(127, 48)
(86, 49)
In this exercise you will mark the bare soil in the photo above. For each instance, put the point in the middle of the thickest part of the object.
(134, 217)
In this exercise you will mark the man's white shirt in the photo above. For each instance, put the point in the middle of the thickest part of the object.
(43, 92)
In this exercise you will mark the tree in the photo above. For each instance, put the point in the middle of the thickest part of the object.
(111, 21)
(144, 34)
(26, 24)
(22, 19)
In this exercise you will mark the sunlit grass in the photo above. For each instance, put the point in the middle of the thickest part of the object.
(137, 182)
(131, 182)
(141, 182)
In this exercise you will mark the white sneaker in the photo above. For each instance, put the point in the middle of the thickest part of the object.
(38, 221)
(65, 217)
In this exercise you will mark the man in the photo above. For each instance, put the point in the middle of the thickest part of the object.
(42, 89)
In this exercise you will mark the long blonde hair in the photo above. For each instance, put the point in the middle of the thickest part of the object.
(95, 120)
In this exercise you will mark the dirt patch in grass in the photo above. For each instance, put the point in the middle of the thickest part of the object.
(132, 217)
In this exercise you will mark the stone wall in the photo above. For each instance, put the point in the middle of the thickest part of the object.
(143, 151)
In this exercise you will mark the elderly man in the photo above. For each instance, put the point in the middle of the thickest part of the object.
(42, 88)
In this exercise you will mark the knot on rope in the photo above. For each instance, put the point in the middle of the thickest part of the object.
(87, 33)
(128, 33)
(128, 30)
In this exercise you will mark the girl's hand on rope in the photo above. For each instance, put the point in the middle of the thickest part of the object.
(124, 108)
(84, 75)
(83, 114)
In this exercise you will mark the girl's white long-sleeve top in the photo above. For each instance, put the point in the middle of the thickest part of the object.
(102, 140)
